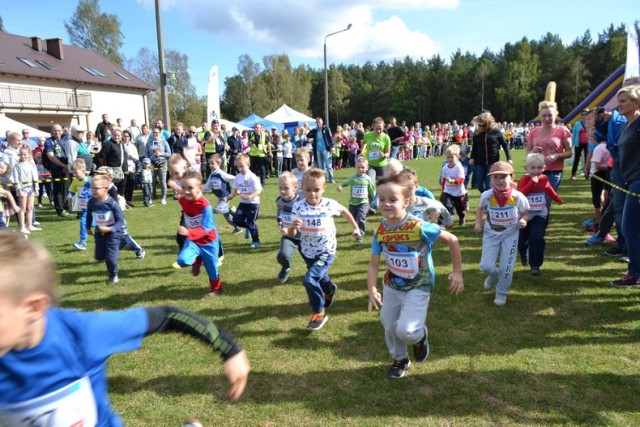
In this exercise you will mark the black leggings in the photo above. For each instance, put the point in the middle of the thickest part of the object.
(580, 151)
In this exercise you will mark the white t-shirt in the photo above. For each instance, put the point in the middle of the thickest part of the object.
(600, 155)
(503, 219)
(455, 172)
(318, 231)
(247, 184)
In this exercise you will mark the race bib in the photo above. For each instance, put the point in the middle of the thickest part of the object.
(104, 219)
(71, 406)
(537, 201)
(193, 221)
(313, 225)
(287, 218)
(403, 264)
(216, 184)
(358, 191)
(504, 217)
(245, 189)
(375, 155)
(82, 202)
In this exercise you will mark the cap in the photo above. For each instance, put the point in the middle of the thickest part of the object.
(585, 111)
(145, 160)
(215, 121)
(501, 168)
(77, 128)
(234, 128)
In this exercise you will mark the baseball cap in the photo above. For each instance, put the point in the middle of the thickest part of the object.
(146, 160)
(501, 168)
(77, 128)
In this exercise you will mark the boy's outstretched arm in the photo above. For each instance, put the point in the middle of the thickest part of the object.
(375, 299)
(456, 284)
(236, 364)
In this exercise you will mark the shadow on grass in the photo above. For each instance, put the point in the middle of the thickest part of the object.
(497, 395)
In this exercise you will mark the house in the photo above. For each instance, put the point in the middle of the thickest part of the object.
(43, 82)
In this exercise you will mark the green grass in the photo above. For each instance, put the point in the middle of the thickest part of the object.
(563, 351)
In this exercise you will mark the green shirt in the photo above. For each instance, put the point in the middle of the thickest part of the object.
(375, 147)
(362, 189)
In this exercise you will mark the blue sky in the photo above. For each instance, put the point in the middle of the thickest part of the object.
(213, 32)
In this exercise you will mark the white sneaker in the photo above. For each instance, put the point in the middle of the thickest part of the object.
(500, 300)
(489, 283)
(163, 201)
(25, 230)
(33, 228)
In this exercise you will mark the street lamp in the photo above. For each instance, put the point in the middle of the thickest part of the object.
(326, 77)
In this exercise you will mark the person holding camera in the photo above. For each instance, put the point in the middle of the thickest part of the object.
(158, 152)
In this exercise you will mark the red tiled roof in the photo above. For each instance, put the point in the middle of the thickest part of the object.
(13, 46)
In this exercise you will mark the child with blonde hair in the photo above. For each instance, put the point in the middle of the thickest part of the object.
(24, 177)
(409, 279)
(247, 185)
(53, 360)
(7, 202)
(288, 187)
(362, 194)
(303, 162)
(454, 193)
(80, 188)
(219, 182)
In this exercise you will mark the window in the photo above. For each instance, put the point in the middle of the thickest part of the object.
(93, 71)
(28, 62)
(122, 75)
(46, 65)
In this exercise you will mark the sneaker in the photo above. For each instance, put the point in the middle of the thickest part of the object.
(398, 368)
(34, 228)
(140, 255)
(588, 222)
(614, 252)
(317, 321)
(214, 292)
(39, 206)
(358, 239)
(462, 222)
(328, 298)
(489, 283)
(80, 246)
(627, 281)
(113, 279)
(535, 271)
(609, 238)
(195, 268)
(524, 260)
(596, 239)
(163, 201)
(624, 258)
(63, 214)
(500, 300)
(573, 177)
(421, 349)
(254, 245)
(247, 233)
(25, 230)
(284, 275)
(36, 224)
(220, 261)
(237, 230)
(176, 265)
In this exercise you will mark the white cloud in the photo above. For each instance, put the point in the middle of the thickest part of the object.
(297, 28)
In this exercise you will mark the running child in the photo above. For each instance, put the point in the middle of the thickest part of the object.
(25, 179)
(409, 279)
(220, 183)
(53, 360)
(313, 221)
(362, 193)
(423, 207)
(303, 160)
(80, 188)
(454, 193)
(109, 221)
(177, 166)
(248, 186)
(288, 187)
(535, 186)
(201, 244)
(507, 212)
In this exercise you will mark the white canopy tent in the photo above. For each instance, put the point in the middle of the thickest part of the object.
(290, 117)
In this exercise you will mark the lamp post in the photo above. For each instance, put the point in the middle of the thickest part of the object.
(326, 76)
(164, 97)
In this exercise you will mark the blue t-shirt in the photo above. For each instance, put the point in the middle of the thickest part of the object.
(69, 366)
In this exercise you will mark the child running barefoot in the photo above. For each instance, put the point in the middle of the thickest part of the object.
(25, 178)
(362, 193)
(201, 244)
(109, 222)
(409, 278)
(313, 221)
(53, 360)
(288, 186)
(536, 187)
(506, 211)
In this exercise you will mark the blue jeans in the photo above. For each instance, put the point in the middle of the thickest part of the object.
(83, 227)
(323, 162)
(287, 247)
(554, 179)
(618, 200)
(394, 151)
(631, 227)
(532, 238)
(483, 180)
(317, 281)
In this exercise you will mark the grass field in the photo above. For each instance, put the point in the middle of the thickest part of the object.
(563, 351)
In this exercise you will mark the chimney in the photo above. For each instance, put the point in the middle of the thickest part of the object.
(37, 44)
(54, 47)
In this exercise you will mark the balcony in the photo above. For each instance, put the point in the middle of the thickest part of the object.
(44, 99)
